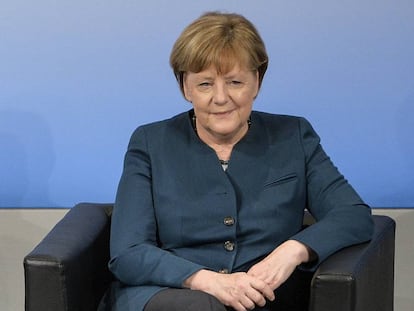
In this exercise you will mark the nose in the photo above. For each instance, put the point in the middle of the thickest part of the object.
(221, 95)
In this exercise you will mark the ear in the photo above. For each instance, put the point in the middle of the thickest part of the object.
(186, 89)
(257, 84)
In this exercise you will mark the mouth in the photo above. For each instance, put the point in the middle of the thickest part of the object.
(223, 113)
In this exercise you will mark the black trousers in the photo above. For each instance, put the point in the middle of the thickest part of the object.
(174, 299)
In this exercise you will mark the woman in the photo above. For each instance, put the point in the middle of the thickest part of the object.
(209, 209)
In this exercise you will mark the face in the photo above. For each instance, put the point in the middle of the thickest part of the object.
(222, 102)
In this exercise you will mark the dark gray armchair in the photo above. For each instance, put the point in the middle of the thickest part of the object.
(67, 270)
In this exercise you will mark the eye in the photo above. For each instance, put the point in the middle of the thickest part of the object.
(235, 83)
(204, 86)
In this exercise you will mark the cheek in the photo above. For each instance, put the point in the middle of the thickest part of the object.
(199, 106)
(244, 98)
(199, 99)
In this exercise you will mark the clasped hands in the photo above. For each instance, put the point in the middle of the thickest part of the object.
(245, 290)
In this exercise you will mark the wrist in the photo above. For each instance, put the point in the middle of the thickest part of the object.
(303, 253)
(197, 279)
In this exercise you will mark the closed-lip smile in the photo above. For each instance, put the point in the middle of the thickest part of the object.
(220, 113)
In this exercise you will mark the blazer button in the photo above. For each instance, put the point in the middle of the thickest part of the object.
(228, 221)
(229, 246)
(224, 271)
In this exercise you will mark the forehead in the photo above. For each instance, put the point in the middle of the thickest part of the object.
(213, 71)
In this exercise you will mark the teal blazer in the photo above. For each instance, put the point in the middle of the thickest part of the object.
(177, 211)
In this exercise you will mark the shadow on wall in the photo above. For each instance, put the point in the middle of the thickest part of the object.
(26, 159)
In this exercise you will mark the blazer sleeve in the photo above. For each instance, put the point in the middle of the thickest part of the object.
(136, 258)
(342, 218)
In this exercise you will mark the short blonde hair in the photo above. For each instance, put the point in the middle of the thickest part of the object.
(219, 39)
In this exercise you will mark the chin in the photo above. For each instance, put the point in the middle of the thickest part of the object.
(226, 131)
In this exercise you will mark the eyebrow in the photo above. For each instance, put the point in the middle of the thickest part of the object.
(199, 76)
(225, 76)
(232, 76)
(205, 78)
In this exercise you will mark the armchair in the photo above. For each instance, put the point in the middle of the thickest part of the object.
(67, 270)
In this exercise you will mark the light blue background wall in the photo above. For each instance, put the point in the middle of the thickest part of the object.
(77, 77)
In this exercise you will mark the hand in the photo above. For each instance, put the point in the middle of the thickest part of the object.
(237, 290)
(276, 268)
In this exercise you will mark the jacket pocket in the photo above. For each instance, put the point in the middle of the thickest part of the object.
(281, 180)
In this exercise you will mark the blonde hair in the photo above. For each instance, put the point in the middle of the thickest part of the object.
(221, 40)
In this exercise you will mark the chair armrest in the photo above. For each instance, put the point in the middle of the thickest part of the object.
(70, 263)
(360, 277)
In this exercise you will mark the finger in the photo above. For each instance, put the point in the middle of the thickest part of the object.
(280, 277)
(247, 302)
(264, 289)
(257, 298)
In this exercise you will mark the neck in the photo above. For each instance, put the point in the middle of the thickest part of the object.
(223, 151)
(221, 144)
